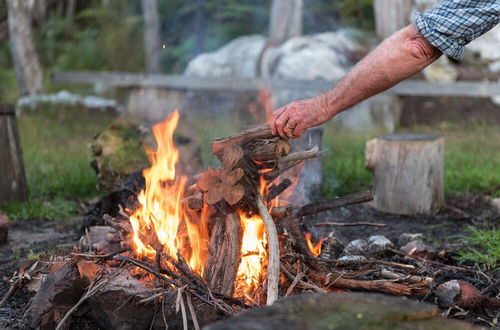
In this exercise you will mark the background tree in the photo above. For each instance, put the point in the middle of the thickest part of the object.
(151, 35)
(286, 20)
(24, 55)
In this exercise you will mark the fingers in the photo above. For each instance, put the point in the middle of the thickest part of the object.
(274, 119)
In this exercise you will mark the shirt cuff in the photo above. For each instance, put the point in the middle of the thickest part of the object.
(447, 45)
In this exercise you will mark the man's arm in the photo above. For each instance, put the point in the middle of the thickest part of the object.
(397, 58)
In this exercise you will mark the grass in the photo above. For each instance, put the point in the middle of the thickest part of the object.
(472, 159)
(482, 248)
(57, 158)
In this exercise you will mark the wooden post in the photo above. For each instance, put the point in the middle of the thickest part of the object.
(391, 16)
(408, 172)
(12, 178)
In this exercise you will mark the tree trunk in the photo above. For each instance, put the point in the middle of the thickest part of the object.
(408, 172)
(24, 55)
(151, 35)
(286, 20)
(12, 180)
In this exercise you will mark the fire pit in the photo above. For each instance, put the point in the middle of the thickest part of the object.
(187, 251)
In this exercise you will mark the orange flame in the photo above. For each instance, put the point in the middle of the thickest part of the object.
(161, 223)
(315, 249)
(253, 257)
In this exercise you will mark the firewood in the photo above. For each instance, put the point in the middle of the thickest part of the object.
(330, 280)
(273, 267)
(277, 189)
(224, 256)
(253, 133)
(291, 160)
(313, 208)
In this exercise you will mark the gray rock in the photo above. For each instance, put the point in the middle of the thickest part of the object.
(379, 243)
(4, 227)
(347, 311)
(356, 247)
(441, 71)
(406, 238)
(455, 291)
(495, 202)
(417, 248)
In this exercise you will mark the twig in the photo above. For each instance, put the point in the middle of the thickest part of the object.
(340, 263)
(385, 273)
(273, 268)
(302, 283)
(93, 288)
(99, 256)
(348, 224)
(180, 303)
(301, 155)
(192, 312)
(294, 283)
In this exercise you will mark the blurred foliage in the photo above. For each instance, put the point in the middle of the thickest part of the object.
(482, 248)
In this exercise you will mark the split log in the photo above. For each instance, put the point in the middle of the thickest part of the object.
(277, 189)
(313, 208)
(253, 133)
(224, 255)
(408, 172)
(12, 180)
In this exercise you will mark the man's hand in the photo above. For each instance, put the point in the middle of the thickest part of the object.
(293, 119)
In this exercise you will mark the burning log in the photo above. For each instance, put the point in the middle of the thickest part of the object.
(224, 255)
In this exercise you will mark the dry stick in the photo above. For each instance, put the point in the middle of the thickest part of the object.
(294, 284)
(193, 312)
(385, 273)
(99, 256)
(348, 224)
(340, 263)
(302, 283)
(313, 208)
(180, 303)
(169, 281)
(301, 155)
(275, 190)
(273, 268)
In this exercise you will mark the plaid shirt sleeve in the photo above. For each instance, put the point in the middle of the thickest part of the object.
(454, 23)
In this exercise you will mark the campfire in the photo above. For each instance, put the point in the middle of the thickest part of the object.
(190, 250)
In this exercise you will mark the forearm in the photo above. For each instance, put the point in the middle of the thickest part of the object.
(397, 58)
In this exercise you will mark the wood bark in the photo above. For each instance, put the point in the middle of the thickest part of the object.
(152, 45)
(286, 20)
(408, 172)
(224, 255)
(12, 180)
(24, 55)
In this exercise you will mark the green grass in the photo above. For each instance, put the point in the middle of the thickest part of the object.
(57, 158)
(472, 159)
(483, 248)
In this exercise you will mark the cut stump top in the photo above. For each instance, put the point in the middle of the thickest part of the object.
(410, 137)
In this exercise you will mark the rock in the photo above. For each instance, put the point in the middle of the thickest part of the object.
(119, 151)
(102, 239)
(495, 202)
(341, 311)
(4, 227)
(454, 291)
(331, 248)
(417, 248)
(379, 243)
(238, 58)
(352, 258)
(60, 291)
(441, 71)
(358, 246)
(406, 238)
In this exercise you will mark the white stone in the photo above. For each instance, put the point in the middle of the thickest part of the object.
(356, 246)
(352, 258)
(379, 242)
(406, 238)
(441, 71)
(495, 202)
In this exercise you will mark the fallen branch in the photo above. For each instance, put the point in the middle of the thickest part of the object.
(313, 208)
(396, 289)
(304, 284)
(273, 268)
(349, 224)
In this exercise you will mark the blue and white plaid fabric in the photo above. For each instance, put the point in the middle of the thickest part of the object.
(454, 23)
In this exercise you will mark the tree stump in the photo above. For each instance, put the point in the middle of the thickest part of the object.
(408, 172)
(12, 180)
